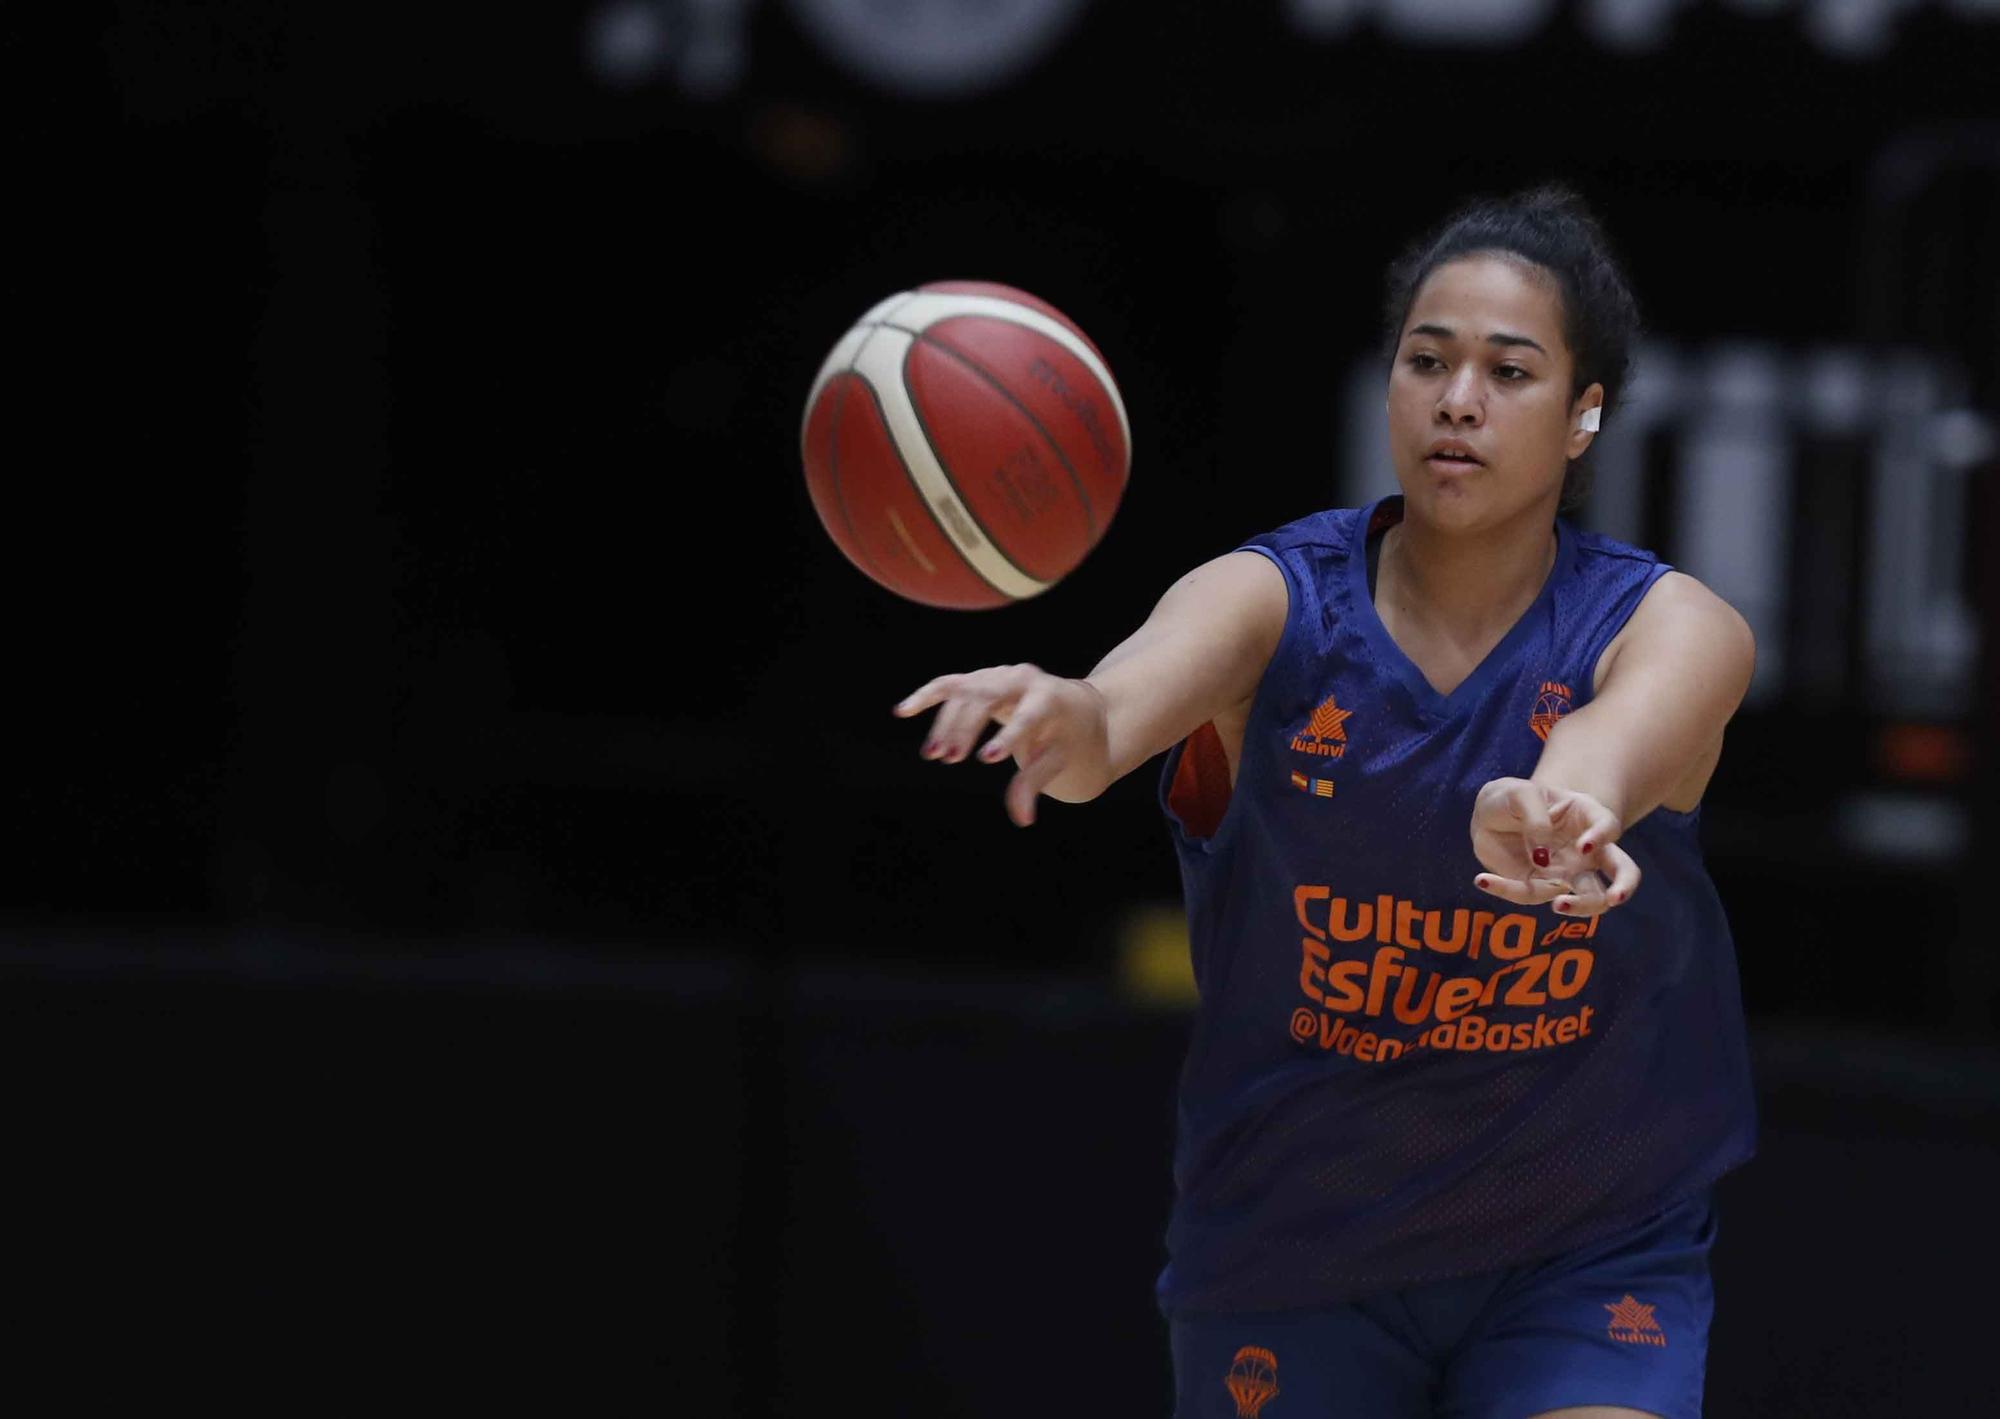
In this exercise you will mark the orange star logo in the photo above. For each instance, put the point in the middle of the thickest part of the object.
(1327, 720)
(1632, 1321)
(1325, 734)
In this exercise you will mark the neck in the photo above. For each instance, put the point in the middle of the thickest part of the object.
(1466, 583)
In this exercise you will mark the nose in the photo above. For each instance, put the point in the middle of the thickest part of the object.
(1458, 402)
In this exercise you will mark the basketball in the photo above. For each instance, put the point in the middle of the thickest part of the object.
(965, 445)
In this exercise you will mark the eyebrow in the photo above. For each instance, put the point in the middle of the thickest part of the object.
(1446, 333)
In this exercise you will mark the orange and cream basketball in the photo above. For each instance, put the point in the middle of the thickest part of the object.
(965, 445)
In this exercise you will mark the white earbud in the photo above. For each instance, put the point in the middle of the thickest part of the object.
(1588, 423)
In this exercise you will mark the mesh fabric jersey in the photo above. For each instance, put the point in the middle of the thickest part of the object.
(1393, 1077)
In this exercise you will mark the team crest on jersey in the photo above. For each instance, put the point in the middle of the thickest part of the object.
(1325, 733)
(1551, 705)
(1252, 1380)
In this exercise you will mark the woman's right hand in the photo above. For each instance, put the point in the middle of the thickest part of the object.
(1202, 651)
(1056, 729)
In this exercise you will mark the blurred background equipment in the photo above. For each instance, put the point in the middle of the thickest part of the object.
(471, 914)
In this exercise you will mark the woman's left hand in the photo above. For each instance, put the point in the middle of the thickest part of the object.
(1544, 844)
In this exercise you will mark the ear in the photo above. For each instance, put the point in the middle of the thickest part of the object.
(1579, 438)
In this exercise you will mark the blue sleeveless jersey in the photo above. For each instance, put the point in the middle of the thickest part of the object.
(1395, 1077)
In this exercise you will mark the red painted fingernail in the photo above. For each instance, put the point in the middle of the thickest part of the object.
(1590, 847)
(1617, 896)
(1541, 857)
(930, 748)
(1479, 882)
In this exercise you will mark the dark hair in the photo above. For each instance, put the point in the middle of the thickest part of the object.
(1553, 228)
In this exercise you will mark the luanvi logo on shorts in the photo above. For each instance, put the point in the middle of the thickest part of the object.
(1551, 706)
(1632, 1322)
(1253, 1380)
(1325, 733)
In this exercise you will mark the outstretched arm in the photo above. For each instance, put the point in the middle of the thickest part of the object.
(1201, 651)
(1680, 671)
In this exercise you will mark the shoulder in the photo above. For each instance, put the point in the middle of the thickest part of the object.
(1681, 620)
(1331, 527)
(1244, 575)
(1678, 604)
(1663, 613)
(1306, 556)
(1596, 547)
(1213, 633)
(1242, 596)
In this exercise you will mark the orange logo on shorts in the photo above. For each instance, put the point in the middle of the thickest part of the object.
(1253, 1380)
(1327, 731)
(1633, 1323)
(1552, 705)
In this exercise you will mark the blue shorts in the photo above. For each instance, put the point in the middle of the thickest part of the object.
(1623, 1321)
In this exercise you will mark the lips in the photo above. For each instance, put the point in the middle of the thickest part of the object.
(1452, 451)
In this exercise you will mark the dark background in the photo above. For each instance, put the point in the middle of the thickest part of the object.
(473, 924)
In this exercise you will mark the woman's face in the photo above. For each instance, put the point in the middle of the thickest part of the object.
(1482, 360)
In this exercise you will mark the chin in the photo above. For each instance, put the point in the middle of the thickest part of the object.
(1465, 502)
(1450, 499)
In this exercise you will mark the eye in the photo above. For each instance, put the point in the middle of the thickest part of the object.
(1418, 360)
(1518, 371)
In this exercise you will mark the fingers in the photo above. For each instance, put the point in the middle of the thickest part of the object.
(1022, 727)
(1585, 897)
(1531, 892)
(1023, 699)
(1587, 823)
(1593, 894)
(1590, 893)
(1518, 805)
(924, 696)
(1625, 875)
(1530, 833)
(967, 702)
(1529, 804)
(1029, 782)
(958, 725)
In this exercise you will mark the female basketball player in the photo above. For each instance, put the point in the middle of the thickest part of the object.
(1452, 1109)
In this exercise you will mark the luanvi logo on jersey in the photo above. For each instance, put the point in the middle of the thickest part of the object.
(1632, 1321)
(1550, 706)
(1253, 1380)
(1325, 733)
